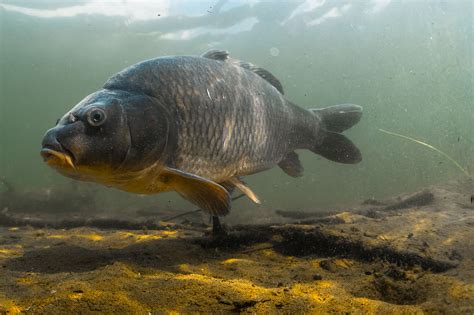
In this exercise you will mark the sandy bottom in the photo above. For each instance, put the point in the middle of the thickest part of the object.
(419, 259)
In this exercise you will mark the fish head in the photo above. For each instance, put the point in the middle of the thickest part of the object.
(107, 134)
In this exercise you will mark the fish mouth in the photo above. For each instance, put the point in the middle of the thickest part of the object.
(58, 155)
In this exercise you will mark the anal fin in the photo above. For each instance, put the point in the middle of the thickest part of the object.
(291, 165)
(203, 192)
(236, 182)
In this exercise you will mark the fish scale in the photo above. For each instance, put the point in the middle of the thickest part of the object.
(261, 155)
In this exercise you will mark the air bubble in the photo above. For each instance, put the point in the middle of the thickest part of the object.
(274, 51)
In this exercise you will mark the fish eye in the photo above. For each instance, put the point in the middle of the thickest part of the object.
(96, 117)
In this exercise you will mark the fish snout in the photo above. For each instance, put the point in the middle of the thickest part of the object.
(53, 152)
(50, 141)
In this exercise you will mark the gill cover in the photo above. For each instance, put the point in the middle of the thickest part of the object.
(150, 130)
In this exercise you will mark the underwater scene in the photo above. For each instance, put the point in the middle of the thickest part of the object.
(236, 156)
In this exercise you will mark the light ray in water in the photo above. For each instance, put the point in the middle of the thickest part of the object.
(431, 147)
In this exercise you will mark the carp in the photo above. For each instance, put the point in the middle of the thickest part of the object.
(194, 125)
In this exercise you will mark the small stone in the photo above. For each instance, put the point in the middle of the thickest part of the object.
(317, 277)
(328, 265)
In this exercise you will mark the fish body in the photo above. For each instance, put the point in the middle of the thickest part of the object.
(193, 124)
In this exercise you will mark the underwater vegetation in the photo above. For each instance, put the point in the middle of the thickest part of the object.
(462, 169)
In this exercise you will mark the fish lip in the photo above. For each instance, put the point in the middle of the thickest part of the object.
(50, 150)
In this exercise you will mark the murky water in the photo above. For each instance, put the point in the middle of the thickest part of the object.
(396, 232)
(408, 63)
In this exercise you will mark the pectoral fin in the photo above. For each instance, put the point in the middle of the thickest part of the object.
(291, 165)
(204, 193)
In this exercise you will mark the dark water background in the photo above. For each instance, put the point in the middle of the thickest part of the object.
(409, 63)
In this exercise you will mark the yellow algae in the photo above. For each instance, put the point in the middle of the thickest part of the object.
(241, 289)
(421, 226)
(269, 253)
(25, 280)
(384, 237)
(321, 298)
(460, 290)
(109, 299)
(344, 263)
(14, 310)
(328, 296)
(9, 307)
(210, 280)
(148, 236)
(449, 241)
(93, 237)
(236, 260)
(8, 252)
(184, 268)
(309, 291)
(170, 232)
(166, 223)
(325, 284)
(114, 300)
(123, 270)
(143, 237)
(347, 217)
(75, 295)
(369, 306)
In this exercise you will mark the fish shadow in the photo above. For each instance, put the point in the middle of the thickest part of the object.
(165, 254)
(162, 254)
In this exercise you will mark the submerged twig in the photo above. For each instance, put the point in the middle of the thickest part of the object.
(431, 147)
(194, 211)
(181, 215)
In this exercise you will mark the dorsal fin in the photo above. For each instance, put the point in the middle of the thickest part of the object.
(223, 55)
(215, 54)
(266, 75)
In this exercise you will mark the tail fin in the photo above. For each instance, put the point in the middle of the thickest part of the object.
(335, 146)
(341, 117)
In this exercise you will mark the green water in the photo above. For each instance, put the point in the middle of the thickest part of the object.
(408, 63)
